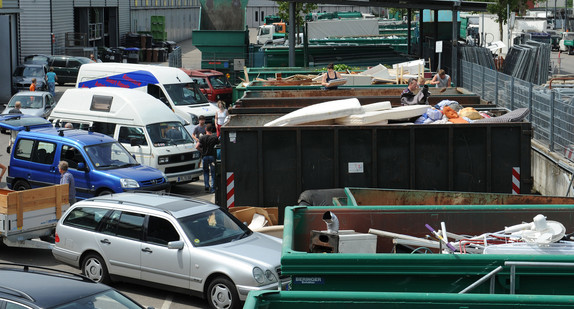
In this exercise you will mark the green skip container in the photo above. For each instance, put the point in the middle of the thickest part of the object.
(367, 300)
(384, 271)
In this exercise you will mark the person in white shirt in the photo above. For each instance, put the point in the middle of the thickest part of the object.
(220, 116)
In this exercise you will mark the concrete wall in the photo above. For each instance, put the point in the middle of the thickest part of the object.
(551, 172)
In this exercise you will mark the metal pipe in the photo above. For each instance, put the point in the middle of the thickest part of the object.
(292, 34)
(481, 280)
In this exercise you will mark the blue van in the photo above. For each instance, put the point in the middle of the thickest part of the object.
(100, 165)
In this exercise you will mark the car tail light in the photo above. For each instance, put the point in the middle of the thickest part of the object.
(57, 238)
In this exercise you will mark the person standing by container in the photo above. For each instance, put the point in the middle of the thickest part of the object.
(408, 97)
(33, 84)
(52, 78)
(67, 178)
(220, 116)
(329, 76)
(206, 146)
(441, 79)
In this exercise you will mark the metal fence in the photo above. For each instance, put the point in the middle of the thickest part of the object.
(174, 58)
(551, 111)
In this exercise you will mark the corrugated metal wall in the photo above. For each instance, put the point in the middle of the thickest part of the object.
(62, 22)
(9, 4)
(35, 28)
(179, 22)
(124, 14)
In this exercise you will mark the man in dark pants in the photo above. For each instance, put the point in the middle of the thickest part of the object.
(206, 146)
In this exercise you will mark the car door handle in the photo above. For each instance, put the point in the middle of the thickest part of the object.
(147, 250)
(105, 241)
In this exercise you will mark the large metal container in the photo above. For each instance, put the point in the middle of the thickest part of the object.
(368, 300)
(431, 273)
(285, 101)
(271, 166)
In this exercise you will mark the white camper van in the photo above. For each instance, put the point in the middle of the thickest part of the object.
(145, 126)
(171, 85)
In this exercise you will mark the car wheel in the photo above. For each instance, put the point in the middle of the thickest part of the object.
(20, 185)
(105, 192)
(222, 294)
(95, 268)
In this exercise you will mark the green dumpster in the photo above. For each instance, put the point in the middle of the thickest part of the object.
(385, 271)
(367, 300)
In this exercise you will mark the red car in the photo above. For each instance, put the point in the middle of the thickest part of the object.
(213, 84)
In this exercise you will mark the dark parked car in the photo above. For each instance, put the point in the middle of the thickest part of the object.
(67, 67)
(31, 287)
(37, 59)
(23, 75)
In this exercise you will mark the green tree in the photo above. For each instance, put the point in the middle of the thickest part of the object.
(500, 9)
(301, 10)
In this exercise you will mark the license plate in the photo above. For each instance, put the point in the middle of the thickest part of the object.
(184, 178)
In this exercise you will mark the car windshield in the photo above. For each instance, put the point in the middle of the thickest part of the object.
(219, 81)
(569, 36)
(107, 299)
(213, 228)
(27, 101)
(27, 71)
(168, 133)
(185, 94)
(110, 156)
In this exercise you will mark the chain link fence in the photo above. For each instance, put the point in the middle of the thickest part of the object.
(551, 112)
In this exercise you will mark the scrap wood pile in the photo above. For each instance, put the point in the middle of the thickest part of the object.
(351, 112)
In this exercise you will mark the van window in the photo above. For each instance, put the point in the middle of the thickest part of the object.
(160, 231)
(109, 156)
(73, 63)
(71, 155)
(201, 82)
(105, 128)
(86, 218)
(185, 94)
(45, 152)
(58, 62)
(23, 150)
(101, 103)
(156, 92)
(168, 133)
(128, 133)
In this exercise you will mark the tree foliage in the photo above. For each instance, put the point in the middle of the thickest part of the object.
(301, 9)
(500, 9)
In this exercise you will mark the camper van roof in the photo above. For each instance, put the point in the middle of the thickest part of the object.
(127, 106)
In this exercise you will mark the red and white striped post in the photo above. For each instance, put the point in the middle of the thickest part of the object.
(516, 180)
(230, 190)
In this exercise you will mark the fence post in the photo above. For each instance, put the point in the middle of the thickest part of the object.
(496, 87)
(511, 93)
(551, 147)
(483, 80)
(530, 101)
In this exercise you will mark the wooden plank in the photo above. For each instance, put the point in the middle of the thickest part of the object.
(20, 211)
(58, 201)
(35, 199)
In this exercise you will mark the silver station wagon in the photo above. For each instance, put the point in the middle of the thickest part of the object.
(173, 242)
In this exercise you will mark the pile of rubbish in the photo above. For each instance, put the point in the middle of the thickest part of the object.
(541, 236)
(350, 112)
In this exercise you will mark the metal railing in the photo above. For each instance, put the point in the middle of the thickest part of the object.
(551, 110)
(513, 264)
(174, 58)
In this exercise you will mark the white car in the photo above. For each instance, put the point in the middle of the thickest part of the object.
(176, 242)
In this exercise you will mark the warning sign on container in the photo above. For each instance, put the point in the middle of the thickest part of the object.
(355, 167)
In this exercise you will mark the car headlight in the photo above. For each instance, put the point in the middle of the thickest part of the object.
(270, 276)
(194, 119)
(163, 160)
(129, 183)
(263, 277)
(258, 275)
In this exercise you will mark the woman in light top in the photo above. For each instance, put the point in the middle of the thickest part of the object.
(220, 116)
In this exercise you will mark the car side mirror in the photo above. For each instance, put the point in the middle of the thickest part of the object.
(178, 245)
(82, 167)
